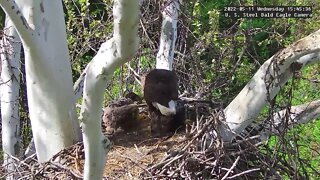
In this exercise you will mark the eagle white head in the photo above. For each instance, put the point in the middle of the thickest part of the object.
(167, 111)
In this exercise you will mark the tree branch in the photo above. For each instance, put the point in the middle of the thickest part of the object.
(126, 21)
(19, 21)
(111, 55)
(78, 85)
(266, 83)
(300, 114)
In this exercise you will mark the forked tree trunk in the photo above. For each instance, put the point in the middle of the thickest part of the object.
(41, 27)
(9, 89)
(111, 55)
(266, 83)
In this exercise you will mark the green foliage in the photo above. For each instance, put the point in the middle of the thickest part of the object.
(89, 24)
(2, 18)
(305, 139)
(220, 54)
(307, 87)
(304, 150)
(216, 56)
(86, 29)
(230, 51)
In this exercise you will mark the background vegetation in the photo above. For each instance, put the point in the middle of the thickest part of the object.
(215, 57)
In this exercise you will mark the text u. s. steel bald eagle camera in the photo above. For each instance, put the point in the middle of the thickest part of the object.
(167, 113)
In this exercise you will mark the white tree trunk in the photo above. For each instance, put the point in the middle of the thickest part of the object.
(41, 27)
(9, 89)
(266, 83)
(111, 55)
(300, 114)
(168, 35)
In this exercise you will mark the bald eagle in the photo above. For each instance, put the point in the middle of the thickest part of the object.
(167, 113)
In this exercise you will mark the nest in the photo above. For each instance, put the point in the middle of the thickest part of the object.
(197, 153)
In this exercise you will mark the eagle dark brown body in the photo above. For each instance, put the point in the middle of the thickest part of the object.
(161, 86)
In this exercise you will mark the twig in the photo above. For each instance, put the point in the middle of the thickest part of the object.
(144, 169)
(66, 169)
(232, 167)
(137, 149)
(244, 172)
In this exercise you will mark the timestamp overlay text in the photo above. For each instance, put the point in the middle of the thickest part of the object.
(267, 11)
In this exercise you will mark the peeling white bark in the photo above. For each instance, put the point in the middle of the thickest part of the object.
(168, 35)
(10, 83)
(267, 81)
(111, 55)
(41, 27)
(296, 115)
